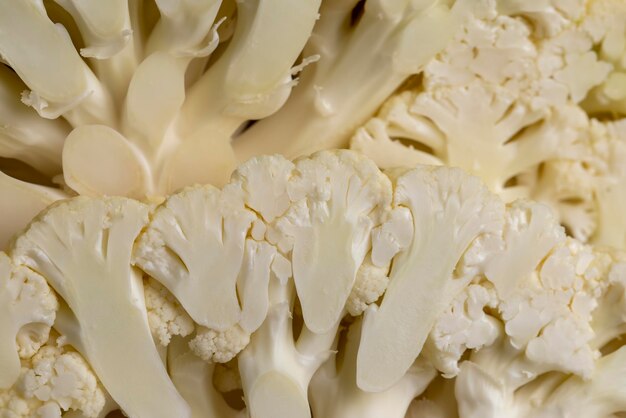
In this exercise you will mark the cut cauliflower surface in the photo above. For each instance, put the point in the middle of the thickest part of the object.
(54, 380)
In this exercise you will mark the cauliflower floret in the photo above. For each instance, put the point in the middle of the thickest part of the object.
(486, 105)
(514, 82)
(370, 284)
(451, 212)
(165, 315)
(465, 325)
(194, 246)
(54, 380)
(547, 328)
(219, 346)
(27, 312)
(554, 306)
(346, 197)
(83, 248)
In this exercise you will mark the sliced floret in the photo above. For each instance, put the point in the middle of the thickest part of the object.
(334, 393)
(345, 196)
(530, 232)
(452, 214)
(605, 25)
(27, 312)
(83, 248)
(609, 142)
(609, 318)
(194, 246)
(218, 274)
(569, 187)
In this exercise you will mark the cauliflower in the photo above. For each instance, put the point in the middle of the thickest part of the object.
(450, 211)
(344, 196)
(547, 327)
(198, 265)
(27, 310)
(507, 100)
(54, 380)
(495, 296)
(328, 284)
(82, 247)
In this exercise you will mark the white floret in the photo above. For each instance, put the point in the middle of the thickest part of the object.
(464, 326)
(219, 346)
(551, 312)
(346, 196)
(55, 380)
(165, 315)
(370, 284)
